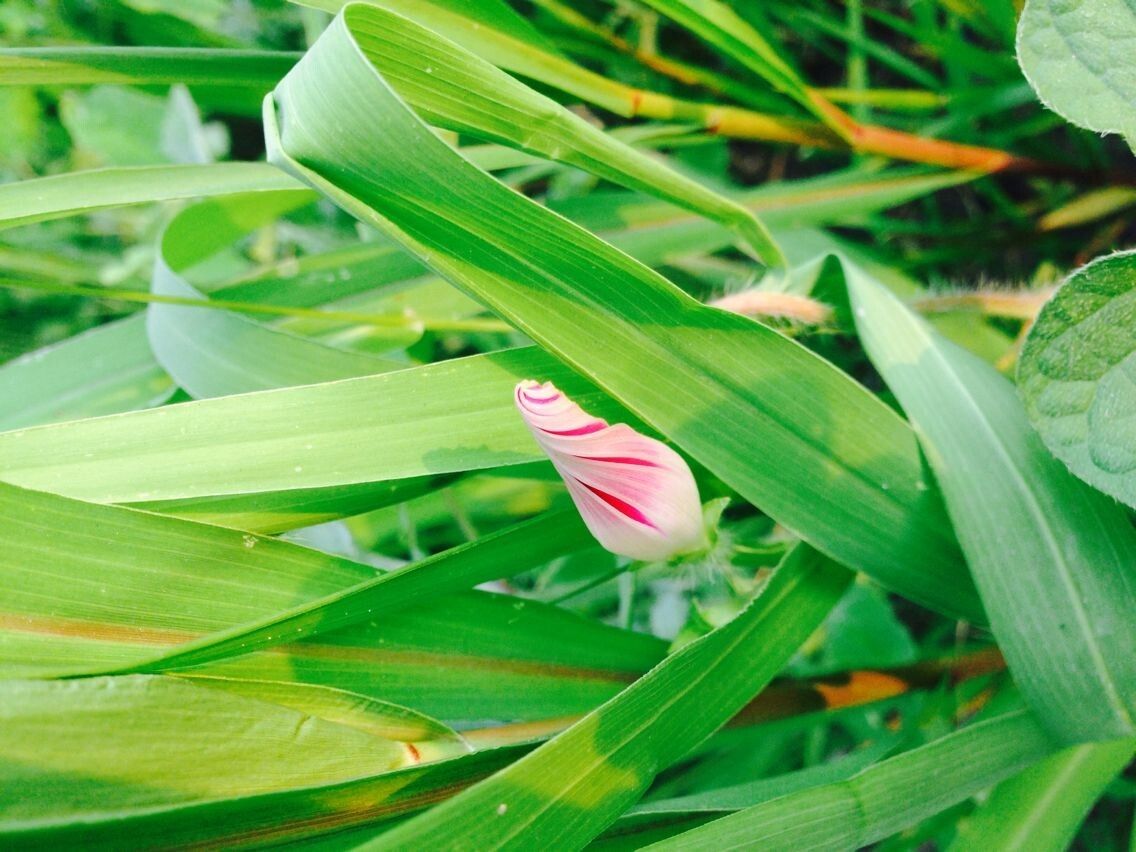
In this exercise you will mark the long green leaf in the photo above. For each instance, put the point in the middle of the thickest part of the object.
(523, 57)
(87, 588)
(278, 511)
(75, 749)
(213, 352)
(512, 550)
(102, 371)
(69, 66)
(719, 385)
(571, 788)
(730, 33)
(68, 382)
(43, 199)
(356, 431)
(290, 815)
(1054, 560)
(452, 88)
(1041, 809)
(882, 799)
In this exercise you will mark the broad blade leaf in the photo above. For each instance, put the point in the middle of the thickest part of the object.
(1041, 809)
(269, 818)
(64, 66)
(43, 199)
(452, 88)
(75, 749)
(352, 432)
(212, 352)
(102, 371)
(89, 587)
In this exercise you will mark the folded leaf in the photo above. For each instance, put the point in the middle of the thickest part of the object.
(787, 430)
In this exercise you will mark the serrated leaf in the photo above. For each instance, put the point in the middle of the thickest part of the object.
(1076, 55)
(1077, 374)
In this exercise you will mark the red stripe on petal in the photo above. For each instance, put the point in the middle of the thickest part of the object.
(594, 426)
(536, 400)
(621, 506)
(621, 460)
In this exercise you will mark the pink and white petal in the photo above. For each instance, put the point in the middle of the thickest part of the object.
(637, 495)
(547, 410)
(613, 529)
(664, 498)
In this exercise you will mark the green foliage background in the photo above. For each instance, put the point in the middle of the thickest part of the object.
(279, 562)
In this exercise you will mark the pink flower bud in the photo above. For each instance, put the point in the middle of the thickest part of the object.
(636, 495)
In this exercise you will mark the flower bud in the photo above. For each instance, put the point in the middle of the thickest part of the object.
(636, 495)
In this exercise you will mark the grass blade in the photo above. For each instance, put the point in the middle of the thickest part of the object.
(855, 813)
(1054, 560)
(571, 788)
(47, 198)
(1041, 809)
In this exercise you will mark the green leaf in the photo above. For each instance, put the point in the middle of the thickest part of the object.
(454, 89)
(1075, 56)
(432, 739)
(211, 352)
(102, 371)
(882, 799)
(1041, 809)
(43, 199)
(515, 549)
(271, 817)
(114, 126)
(349, 593)
(1077, 372)
(352, 432)
(723, 28)
(658, 818)
(71, 66)
(1054, 560)
(67, 381)
(571, 788)
(87, 588)
(719, 385)
(735, 797)
(526, 58)
(75, 749)
(273, 512)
